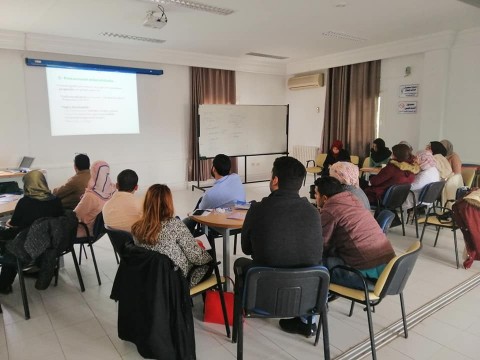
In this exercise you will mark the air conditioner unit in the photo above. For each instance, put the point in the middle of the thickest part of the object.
(305, 82)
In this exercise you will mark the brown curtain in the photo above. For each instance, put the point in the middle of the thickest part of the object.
(351, 106)
(208, 86)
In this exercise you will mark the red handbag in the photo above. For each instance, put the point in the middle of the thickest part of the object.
(212, 311)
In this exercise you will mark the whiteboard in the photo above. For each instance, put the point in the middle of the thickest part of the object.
(237, 130)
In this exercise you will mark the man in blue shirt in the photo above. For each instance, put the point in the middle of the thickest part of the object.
(227, 188)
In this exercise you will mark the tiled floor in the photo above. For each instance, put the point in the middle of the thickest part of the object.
(68, 324)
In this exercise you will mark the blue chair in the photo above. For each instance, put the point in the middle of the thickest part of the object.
(385, 219)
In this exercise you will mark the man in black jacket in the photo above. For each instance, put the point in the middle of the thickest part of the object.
(283, 230)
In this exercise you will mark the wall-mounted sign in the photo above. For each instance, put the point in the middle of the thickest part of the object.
(409, 90)
(407, 107)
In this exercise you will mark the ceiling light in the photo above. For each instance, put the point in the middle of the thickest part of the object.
(132, 37)
(195, 6)
(267, 56)
(339, 35)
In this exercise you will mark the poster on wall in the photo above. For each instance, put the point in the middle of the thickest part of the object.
(407, 107)
(410, 90)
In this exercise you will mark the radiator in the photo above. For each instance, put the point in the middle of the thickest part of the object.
(303, 153)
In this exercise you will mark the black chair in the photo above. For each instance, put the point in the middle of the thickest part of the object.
(16, 262)
(120, 240)
(393, 199)
(392, 281)
(98, 231)
(385, 219)
(429, 194)
(278, 293)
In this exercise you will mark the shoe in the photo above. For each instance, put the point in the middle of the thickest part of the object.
(332, 297)
(6, 290)
(297, 326)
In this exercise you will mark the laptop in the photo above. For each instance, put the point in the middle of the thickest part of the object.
(24, 165)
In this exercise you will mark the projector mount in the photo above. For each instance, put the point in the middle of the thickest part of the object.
(156, 19)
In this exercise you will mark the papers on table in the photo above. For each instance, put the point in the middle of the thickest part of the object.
(237, 215)
(6, 198)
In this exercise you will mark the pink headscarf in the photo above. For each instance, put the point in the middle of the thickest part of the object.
(100, 183)
(345, 172)
(425, 159)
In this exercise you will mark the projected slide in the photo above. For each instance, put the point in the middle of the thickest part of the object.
(86, 102)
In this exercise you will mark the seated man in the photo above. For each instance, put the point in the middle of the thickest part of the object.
(401, 169)
(123, 209)
(351, 235)
(227, 188)
(282, 230)
(70, 193)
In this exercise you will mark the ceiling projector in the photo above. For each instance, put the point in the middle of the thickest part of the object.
(156, 19)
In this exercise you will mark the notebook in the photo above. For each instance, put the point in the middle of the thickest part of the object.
(24, 165)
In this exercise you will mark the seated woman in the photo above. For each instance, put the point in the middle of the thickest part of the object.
(159, 230)
(400, 170)
(348, 175)
(428, 174)
(99, 190)
(336, 153)
(452, 157)
(379, 154)
(36, 203)
(453, 181)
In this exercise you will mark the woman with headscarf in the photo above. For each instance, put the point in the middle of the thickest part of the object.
(428, 174)
(99, 190)
(379, 154)
(37, 202)
(400, 170)
(335, 154)
(453, 181)
(452, 157)
(439, 152)
(348, 174)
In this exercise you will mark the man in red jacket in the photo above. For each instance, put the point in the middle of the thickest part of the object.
(351, 235)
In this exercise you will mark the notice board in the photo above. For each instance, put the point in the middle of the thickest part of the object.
(242, 130)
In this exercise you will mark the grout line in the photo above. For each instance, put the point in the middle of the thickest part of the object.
(390, 333)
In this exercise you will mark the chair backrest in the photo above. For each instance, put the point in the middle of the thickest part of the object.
(354, 159)
(320, 159)
(120, 240)
(385, 219)
(99, 227)
(431, 192)
(366, 162)
(279, 292)
(10, 187)
(395, 196)
(468, 174)
(394, 277)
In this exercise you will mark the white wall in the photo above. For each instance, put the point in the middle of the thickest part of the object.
(158, 153)
(259, 89)
(394, 126)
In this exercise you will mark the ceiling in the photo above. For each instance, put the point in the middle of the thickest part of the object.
(292, 29)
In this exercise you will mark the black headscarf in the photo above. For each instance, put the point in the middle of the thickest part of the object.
(438, 148)
(382, 152)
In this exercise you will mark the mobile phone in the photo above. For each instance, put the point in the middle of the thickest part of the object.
(198, 212)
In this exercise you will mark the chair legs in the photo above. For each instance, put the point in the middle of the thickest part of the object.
(323, 323)
(370, 329)
(404, 318)
(235, 245)
(95, 264)
(222, 302)
(23, 290)
(77, 269)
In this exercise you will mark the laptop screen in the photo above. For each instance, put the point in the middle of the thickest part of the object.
(26, 163)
